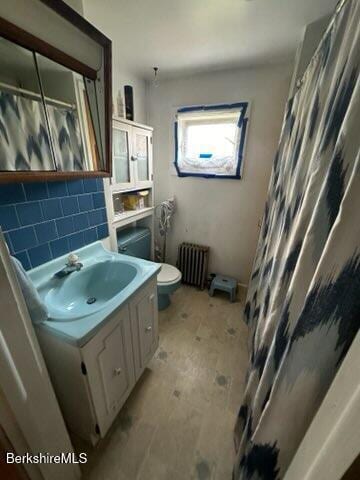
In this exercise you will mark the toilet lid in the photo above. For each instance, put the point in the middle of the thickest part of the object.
(168, 274)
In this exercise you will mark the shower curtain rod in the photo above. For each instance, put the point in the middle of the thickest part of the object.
(35, 95)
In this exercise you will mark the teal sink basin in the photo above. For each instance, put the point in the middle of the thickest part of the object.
(80, 302)
(88, 290)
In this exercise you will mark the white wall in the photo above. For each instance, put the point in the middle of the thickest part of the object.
(122, 77)
(312, 35)
(76, 5)
(223, 214)
(93, 12)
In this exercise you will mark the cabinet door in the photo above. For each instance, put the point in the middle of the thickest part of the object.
(110, 370)
(142, 156)
(144, 324)
(123, 169)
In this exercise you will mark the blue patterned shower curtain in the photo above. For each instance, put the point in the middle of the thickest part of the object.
(303, 303)
(24, 138)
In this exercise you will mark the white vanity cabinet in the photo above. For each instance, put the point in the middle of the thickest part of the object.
(92, 382)
(145, 328)
(110, 367)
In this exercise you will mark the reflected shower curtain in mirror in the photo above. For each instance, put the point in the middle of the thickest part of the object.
(65, 131)
(24, 139)
(303, 303)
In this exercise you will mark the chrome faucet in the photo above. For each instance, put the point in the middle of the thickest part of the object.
(72, 265)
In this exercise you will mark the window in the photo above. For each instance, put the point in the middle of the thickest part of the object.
(209, 140)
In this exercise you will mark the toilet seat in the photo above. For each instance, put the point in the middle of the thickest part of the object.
(168, 275)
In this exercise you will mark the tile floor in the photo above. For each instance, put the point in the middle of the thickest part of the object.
(177, 423)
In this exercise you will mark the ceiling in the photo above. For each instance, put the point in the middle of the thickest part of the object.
(187, 36)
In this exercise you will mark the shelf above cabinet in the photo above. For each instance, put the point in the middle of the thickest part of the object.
(131, 216)
(116, 189)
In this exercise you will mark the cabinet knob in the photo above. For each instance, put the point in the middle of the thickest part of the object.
(148, 329)
(134, 158)
(117, 371)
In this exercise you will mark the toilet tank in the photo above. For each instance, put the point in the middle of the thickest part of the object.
(135, 241)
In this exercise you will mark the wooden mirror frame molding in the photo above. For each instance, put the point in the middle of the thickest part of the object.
(19, 36)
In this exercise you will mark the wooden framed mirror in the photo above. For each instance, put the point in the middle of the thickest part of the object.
(55, 107)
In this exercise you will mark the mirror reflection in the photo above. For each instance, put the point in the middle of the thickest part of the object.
(69, 116)
(24, 138)
(49, 119)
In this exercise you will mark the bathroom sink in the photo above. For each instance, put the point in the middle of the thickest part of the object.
(81, 301)
(89, 290)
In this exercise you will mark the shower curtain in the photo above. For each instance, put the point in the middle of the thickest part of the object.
(24, 138)
(68, 147)
(303, 303)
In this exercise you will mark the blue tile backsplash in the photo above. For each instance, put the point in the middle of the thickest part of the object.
(43, 221)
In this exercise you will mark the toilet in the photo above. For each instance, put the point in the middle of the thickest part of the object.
(136, 242)
(168, 280)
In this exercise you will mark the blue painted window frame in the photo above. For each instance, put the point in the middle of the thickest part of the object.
(242, 125)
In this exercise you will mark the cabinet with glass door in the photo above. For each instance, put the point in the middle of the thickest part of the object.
(132, 156)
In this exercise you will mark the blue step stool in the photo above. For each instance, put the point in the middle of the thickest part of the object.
(226, 284)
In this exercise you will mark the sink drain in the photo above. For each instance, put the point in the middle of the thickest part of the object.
(91, 300)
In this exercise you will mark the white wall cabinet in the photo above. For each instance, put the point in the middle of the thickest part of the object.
(92, 382)
(132, 155)
(142, 157)
(132, 172)
(123, 171)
